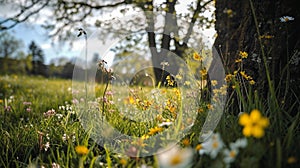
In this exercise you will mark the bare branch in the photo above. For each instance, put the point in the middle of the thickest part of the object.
(64, 15)
(194, 18)
(101, 6)
(16, 19)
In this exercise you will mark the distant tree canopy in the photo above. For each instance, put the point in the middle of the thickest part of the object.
(15, 61)
(9, 48)
(177, 33)
(37, 55)
(9, 45)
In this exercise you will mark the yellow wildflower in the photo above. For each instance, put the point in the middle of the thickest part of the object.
(243, 54)
(252, 82)
(214, 82)
(244, 75)
(254, 124)
(159, 118)
(81, 150)
(238, 60)
(228, 77)
(229, 12)
(200, 110)
(1, 101)
(172, 109)
(199, 147)
(155, 130)
(123, 162)
(170, 81)
(178, 76)
(197, 57)
(144, 137)
(186, 142)
(177, 92)
(187, 83)
(209, 106)
(131, 100)
(203, 72)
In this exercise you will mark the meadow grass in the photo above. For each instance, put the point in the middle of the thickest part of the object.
(41, 125)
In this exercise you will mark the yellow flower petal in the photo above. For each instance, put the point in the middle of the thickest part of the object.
(264, 122)
(244, 119)
(247, 131)
(258, 131)
(255, 115)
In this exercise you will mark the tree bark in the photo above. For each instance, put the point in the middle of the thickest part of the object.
(236, 29)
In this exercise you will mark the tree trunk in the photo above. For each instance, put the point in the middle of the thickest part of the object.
(236, 29)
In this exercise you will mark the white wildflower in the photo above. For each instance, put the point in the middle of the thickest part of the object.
(286, 18)
(213, 145)
(47, 146)
(175, 157)
(239, 143)
(230, 155)
(165, 124)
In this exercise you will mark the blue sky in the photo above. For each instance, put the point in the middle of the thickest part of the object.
(36, 33)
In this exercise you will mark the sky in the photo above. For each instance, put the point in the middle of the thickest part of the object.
(32, 31)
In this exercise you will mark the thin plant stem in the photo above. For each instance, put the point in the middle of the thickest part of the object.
(103, 97)
(83, 32)
(85, 72)
(271, 88)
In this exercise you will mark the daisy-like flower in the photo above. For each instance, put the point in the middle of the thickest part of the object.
(286, 19)
(200, 149)
(213, 145)
(254, 124)
(239, 143)
(230, 155)
(175, 157)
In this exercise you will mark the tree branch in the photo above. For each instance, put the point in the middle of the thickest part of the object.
(101, 6)
(16, 19)
(194, 18)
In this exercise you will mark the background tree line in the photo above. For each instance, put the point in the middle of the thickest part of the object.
(13, 60)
